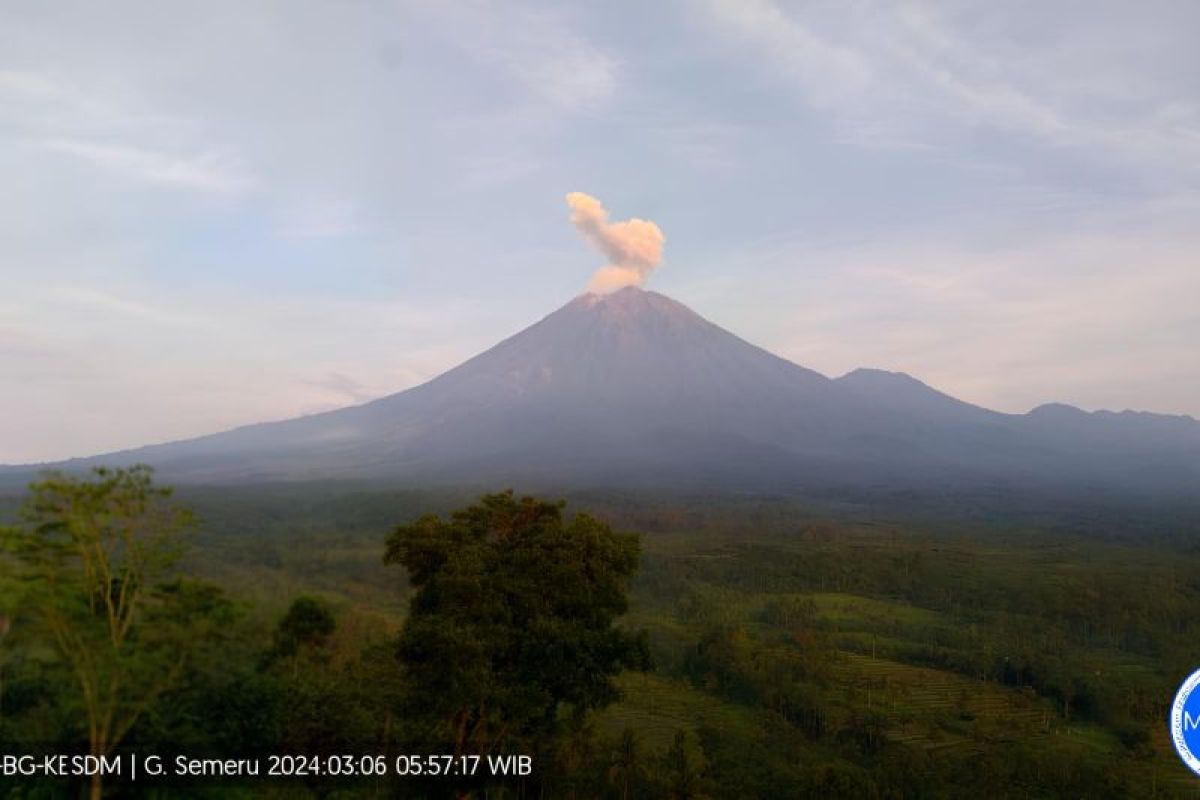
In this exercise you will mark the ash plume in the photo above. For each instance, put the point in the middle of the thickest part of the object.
(633, 246)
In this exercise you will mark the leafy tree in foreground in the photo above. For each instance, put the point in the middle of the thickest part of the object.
(94, 559)
(510, 632)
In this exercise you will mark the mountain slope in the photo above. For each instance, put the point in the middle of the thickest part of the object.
(635, 388)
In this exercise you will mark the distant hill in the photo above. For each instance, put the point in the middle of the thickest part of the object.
(633, 388)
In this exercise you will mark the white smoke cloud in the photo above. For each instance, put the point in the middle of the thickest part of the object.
(633, 247)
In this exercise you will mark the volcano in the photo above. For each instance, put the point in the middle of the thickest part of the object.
(635, 389)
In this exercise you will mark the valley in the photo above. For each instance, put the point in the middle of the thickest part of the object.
(794, 646)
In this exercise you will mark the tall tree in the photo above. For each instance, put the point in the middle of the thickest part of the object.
(511, 631)
(95, 559)
(625, 764)
(684, 768)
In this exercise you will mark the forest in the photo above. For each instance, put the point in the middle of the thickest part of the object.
(628, 645)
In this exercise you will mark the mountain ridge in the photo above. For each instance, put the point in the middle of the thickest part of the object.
(635, 386)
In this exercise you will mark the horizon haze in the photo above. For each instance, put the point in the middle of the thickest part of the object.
(631, 389)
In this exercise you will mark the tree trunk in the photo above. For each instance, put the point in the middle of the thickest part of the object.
(98, 748)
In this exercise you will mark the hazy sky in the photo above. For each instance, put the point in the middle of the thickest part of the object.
(216, 213)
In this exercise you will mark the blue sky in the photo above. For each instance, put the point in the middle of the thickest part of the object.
(221, 213)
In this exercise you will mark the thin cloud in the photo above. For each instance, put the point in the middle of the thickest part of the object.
(990, 324)
(343, 387)
(897, 76)
(537, 48)
(205, 172)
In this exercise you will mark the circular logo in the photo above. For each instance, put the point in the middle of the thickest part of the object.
(1185, 722)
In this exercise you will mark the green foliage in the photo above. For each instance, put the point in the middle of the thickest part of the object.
(93, 559)
(627, 770)
(797, 655)
(308, 623)
(511, 626)
(340, 686)
(684, 768)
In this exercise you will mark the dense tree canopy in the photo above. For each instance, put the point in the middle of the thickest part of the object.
(511, 628)
(793, 657)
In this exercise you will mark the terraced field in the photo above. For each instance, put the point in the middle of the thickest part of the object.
(935, 709)
(657, 707)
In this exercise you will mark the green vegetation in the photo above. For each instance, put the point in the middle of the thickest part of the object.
(509, 640)
(794, 650)
(92, 567)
